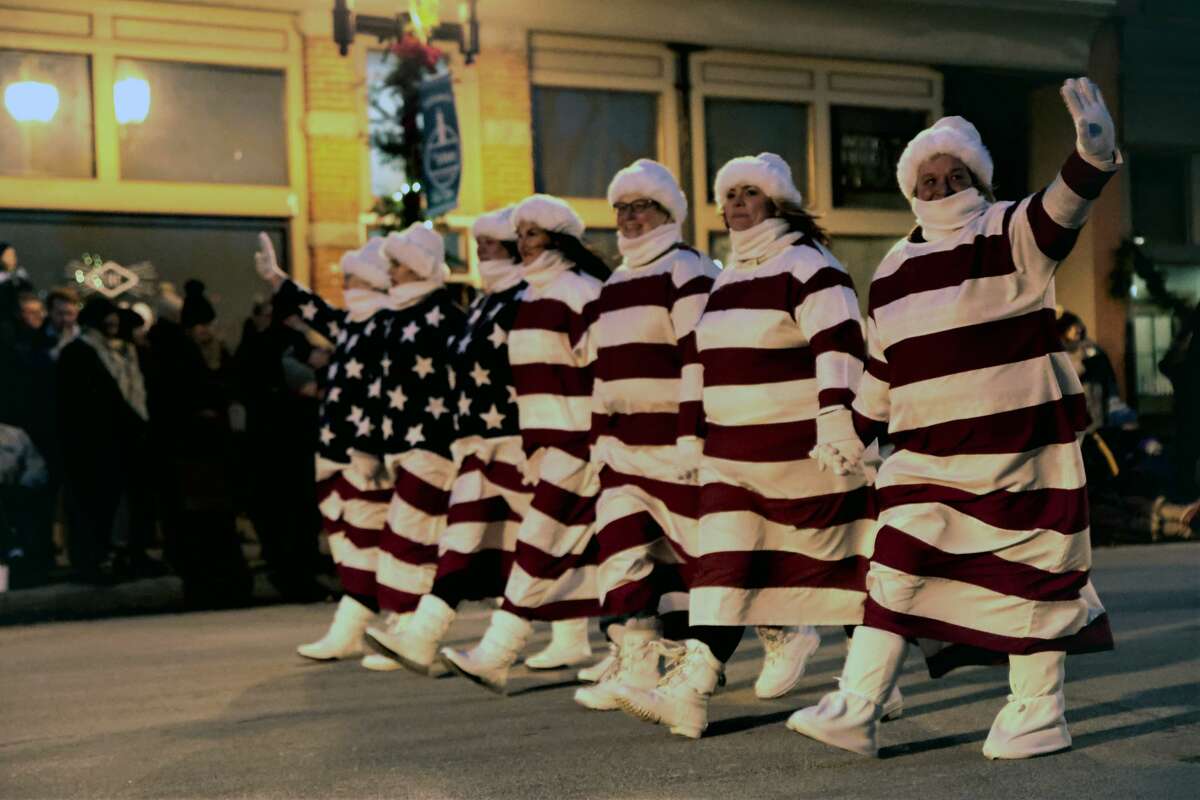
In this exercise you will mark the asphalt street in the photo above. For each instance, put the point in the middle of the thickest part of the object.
(218, 705)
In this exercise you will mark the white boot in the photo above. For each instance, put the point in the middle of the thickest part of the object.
(596, 671)
(489, 661)
(393, 622)
(1032, 724)
(569, 646)
(849, 718)
(344, 637)
(415, 644)
(785, 655)
(680, 700)
(636, 665)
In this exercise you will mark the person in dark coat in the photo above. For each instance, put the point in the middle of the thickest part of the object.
(102, 426)
(194, 380)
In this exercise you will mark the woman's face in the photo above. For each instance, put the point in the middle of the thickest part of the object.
(745, 207)
(400, 274)
(489, 249)
(637, 216)
(942, 176)
(532, 241)
(201, 334)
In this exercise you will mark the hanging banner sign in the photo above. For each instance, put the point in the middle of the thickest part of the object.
(441, 155)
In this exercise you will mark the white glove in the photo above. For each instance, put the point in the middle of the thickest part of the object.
(265, 263)
(838, 449)
(1095, 134)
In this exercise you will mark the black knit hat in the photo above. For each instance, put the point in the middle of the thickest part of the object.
(196, 308)
(96, 310)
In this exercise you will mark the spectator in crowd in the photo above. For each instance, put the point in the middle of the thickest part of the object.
(277, 380)
(1096, 373)
(22, 500)
(102, 425)
(194, 381)
(14, 282)
(63, 324)
(1181, 366)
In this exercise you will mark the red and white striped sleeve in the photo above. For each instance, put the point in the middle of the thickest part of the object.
(1045, 226)
(827, 313)
(872, 402)
(692, 280)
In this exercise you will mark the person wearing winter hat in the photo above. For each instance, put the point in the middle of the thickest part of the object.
(645, 402)
(353, 492)
(488, 498)
(553, 577)
(407, 426)
(982, 539)
(783, 540)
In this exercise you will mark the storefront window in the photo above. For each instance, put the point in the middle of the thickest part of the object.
(583, 136)
(867, 143)
(201, 123)
(46, 122)
(735, 128)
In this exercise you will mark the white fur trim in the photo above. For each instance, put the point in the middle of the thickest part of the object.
(650, 179)
(369, 264)
(418, 248)
(495, 224)
(767, 171)
(549, 213)
(953, 136)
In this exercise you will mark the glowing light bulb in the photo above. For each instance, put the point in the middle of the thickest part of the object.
(31, 101)
(131, 99)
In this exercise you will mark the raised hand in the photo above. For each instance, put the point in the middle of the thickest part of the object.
(1095, 134)
(265, 263)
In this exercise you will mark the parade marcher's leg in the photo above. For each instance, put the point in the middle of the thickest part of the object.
(568, 647)
(635, 664)
(344, 637)
(613, 629)
(849, 717)
(786, 651)
(1032, 724)
(680, 700)
(489, 661)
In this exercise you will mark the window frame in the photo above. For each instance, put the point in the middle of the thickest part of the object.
(105, 30)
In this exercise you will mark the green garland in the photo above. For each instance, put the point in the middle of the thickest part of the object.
(1131, 263)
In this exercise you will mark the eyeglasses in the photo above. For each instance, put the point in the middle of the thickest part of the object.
(637, 207)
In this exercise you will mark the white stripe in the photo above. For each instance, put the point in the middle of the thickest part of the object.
(636, 395)
(528, 592)
(404, 577)
(345, 553)
(539, 346)
(761, 403)
(762, 329)
(744, 531)
(555, 412)
(719, 605)
(643, 324)
(1057, 466)
(778, 479)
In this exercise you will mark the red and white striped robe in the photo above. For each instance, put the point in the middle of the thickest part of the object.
(554, 574)
(781, 542)
(354, 508)
(646, 522)
(983, 523)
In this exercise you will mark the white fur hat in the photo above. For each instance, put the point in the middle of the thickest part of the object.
(953, 136)
(767, 171)
(419, 248)
(495, 224)
(368, 264)
(549, 213)
(650, 179)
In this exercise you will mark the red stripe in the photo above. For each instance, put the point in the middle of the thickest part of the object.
(972, 347)
(575, 443)
(544, 314)
(679, 498)
(879, 370)
(752, 366)
(347, 491)
(481, 574)
(362, 538)
(357, 581)
(984, 257)
(820, 511)
(552, 379)
(546, 566)
(637, 360)
(691, 418)
(489, 509)
(419, 494)
(393, 600)
(505, 475)
(780, 292)
(1055, 241)
(1017, 431)
(762, 569)
(644, 429)
(898, 550)
(687, 349)
(566, 508)
(1084, 179)
(1093, 638)
(552, 612)
(701, 284)
(844, 337)
(396, 544)
(835, 397)
(1062, 510)
(649, 290)
(868, 429)
(777, 441)
(633, 530)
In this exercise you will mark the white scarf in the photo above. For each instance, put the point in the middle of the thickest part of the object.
(409, 294)
(544, 269)
(941, 218)
(644, 249)
(363, 303)
(498, 274)
(761, 243)
(121, 361)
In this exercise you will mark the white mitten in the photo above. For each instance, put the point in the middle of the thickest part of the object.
(838, 449)
(1095, 134)
(265, 263)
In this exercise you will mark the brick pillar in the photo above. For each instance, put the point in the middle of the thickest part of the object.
(338, 162)
(506, 126)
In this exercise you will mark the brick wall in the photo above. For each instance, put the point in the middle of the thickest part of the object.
(507, 142)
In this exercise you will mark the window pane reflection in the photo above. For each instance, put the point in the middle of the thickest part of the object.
(205, 123)
(735, 128)
(867, 143)
(46, 122)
